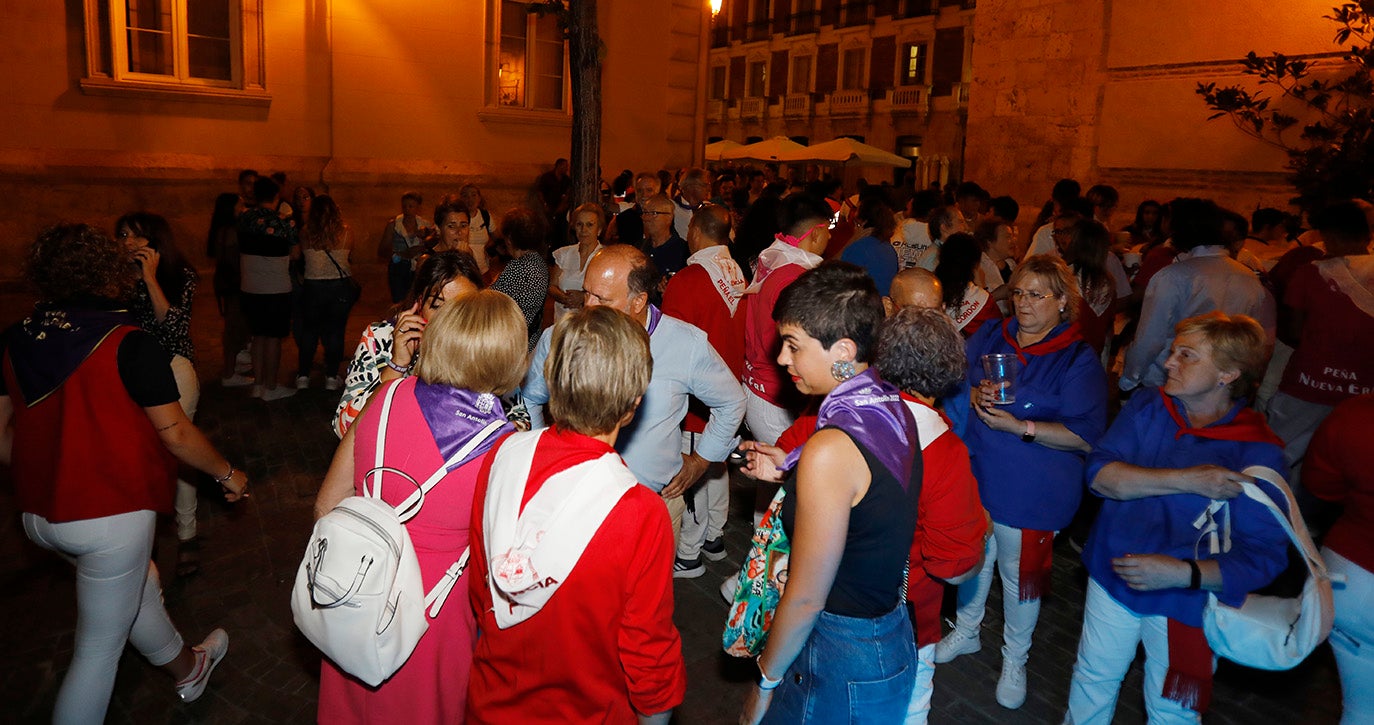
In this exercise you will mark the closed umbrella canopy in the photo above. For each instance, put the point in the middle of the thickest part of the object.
(773, 149)
(848, 152)
(714, 150)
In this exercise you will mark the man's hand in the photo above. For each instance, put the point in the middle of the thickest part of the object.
(1149, 572)
(693, 466)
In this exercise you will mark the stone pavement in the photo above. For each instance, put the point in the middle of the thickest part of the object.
(251, 551)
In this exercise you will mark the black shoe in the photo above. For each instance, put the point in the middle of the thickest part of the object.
(714, 549)
(688, 568)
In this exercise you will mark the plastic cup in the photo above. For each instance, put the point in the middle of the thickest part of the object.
(1001, 370)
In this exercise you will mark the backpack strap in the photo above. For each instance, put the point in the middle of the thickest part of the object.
(377, 468)
(1290, 520)
(434, 600)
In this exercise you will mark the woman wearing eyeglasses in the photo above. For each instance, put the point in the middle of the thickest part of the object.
(1028, 457)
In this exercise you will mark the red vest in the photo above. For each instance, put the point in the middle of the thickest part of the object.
(87, 450)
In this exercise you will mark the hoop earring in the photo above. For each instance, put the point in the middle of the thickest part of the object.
(842, 370)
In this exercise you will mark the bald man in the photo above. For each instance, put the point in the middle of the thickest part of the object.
(915, 287)
(685, 365)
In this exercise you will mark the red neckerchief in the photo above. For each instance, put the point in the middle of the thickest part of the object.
(1248, 426)
(1069, 336)
(1188, 680)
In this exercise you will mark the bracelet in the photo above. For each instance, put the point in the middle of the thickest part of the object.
(221, 480)
(1029, 435)
(398, 368)
(1195, 577)
(766, 684)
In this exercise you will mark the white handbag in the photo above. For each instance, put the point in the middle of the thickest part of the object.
(1270, 632)
(358, 595)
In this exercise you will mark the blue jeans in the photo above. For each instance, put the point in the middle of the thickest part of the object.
(850, 670)
(1353, 638)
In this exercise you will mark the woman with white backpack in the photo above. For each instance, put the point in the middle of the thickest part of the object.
(473, 352)
(1174, 528)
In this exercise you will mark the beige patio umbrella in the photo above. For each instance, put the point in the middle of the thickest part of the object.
(773, 149)
(714, 150)
(847, 152)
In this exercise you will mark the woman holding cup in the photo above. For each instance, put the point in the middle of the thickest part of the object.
(1039, 402)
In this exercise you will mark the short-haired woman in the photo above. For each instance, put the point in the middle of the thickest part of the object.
(570, 555)
(473, 354)
(92, 432)
(570, 262)
(387, 350)
(525, 277)
(920, 352)
(1168, 459)
(840, 648)
(1027, 457)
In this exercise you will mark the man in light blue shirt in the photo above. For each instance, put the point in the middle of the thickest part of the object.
(685, 364)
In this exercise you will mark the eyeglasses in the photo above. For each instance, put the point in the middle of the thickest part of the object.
(654, 213)
(1059, 232)
(1036, 296)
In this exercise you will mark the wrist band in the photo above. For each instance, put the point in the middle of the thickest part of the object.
(766, 684)
(397, 368)
(1029, 435)
(1195, 577)
(221, 480)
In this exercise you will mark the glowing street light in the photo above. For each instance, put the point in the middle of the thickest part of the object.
(715, 7)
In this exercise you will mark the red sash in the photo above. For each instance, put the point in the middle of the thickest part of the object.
(1069, 336)
(1248, 426)
(1037, 549)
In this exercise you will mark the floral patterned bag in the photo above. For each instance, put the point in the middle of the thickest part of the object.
(762, 580)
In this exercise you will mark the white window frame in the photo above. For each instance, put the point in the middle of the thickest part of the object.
(494, 110)
(246, 54)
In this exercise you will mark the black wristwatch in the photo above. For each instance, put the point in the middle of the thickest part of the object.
(1029, 435)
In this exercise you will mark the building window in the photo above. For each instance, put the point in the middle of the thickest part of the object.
(717, 82)
(800, 78)
(914, 64)
(758, 76)
(175, 47)
(531, 60)
(852, 69)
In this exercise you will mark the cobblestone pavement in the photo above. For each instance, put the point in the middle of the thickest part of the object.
(251, 551)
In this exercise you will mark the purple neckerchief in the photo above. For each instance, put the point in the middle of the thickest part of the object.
(455, 416)
(655, 315)
(871, 411)
(50, 344)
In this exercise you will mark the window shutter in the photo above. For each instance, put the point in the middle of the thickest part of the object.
(827, 67)
(777, 82)
(737, 77)
(882, 63)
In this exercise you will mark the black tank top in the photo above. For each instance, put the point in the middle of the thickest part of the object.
(881, 526)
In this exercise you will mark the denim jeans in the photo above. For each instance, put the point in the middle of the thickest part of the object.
(851, 670)
(1352, 640)
(324, 322)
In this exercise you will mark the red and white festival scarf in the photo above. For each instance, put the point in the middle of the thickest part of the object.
(975, 299)
(782, 252)
(727, 279)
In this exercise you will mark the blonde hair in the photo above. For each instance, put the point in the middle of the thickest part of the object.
(1238, 343)
(475, 342)
(598, 367)
(1057, 276)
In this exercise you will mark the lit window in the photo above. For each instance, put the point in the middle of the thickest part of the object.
(531, 63)
(185, 47)
(801, 74)
(913, 64)
(854, 61)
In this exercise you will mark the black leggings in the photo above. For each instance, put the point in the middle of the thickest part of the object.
(325, 303)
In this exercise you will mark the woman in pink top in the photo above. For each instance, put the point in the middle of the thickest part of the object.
(473, 351)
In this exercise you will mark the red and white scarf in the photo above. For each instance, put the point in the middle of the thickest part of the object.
(1339, 273)
(782, 252)
(975, 299)
(727, 279)
(530, 552)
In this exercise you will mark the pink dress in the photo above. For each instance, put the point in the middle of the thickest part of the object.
(431, 687)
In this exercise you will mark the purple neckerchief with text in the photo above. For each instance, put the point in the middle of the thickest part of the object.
(871, 411)
(455, 416)
(51, 343)
(655, 315)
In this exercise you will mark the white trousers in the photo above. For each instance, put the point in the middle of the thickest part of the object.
(1004, 551)
(918, 710)
(1105, 652)
(765, 420)
(188, 385)
(704, 519)
(1352, 640)
(118, 600)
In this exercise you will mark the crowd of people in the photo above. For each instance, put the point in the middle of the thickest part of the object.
(849, 351)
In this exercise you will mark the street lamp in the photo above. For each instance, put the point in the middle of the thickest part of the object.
(715, 7)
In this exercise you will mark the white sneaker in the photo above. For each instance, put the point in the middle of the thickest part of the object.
(957, 642)
(277, 393)
(1011, 686)
(302, 382)
(333, 382)
(243, 362)
(208, 655)
(236, 380)
(728, 589)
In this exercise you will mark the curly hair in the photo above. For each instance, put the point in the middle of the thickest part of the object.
(76, 260)
(920, 352)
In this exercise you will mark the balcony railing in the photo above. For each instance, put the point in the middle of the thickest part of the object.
(852, 102)
(805, 22)
(854, 13)
(758, 30)
(912, 100)
(916, 8)
(751, 109)
(797, 106)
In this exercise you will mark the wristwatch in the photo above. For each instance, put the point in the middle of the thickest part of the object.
(1029, 435)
